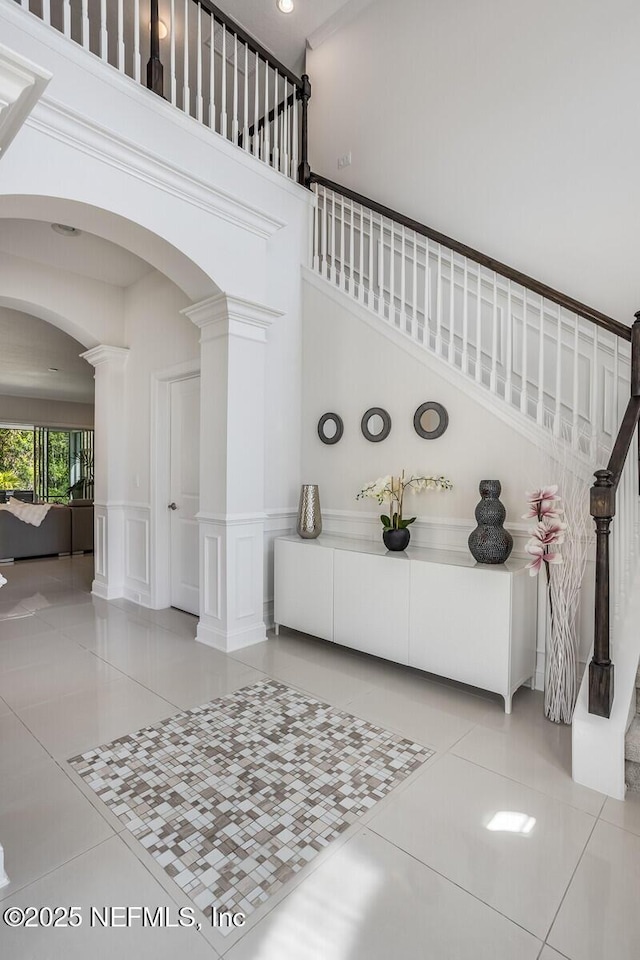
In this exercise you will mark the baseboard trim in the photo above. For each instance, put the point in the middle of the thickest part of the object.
(228, 642)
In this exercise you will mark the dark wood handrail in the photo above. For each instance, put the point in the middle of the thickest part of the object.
(603, 510)
(623, 442)
(574, 306)
(253, 44)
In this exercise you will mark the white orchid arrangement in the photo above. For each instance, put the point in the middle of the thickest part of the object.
(393, 489)
(548, 534)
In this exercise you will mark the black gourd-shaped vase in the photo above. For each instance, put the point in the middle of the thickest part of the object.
(490, 542)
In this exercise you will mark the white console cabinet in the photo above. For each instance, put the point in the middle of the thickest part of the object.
(436, 610)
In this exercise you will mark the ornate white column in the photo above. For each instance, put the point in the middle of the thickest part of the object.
(109, 468)
(233, 343)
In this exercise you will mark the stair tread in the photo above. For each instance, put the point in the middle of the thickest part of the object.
(632, 741)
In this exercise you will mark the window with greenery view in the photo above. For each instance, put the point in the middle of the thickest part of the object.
(54, 465)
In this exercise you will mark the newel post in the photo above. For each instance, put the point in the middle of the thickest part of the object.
(155, 78)
(603, 506)
(304, 94)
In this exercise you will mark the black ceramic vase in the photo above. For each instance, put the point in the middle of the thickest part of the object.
(396, 539)
(490, 542)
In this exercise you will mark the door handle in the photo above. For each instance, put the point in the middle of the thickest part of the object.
(172, 506)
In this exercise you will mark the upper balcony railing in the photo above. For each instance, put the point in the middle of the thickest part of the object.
(196, 57)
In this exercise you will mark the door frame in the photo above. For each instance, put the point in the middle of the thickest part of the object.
(160, 477)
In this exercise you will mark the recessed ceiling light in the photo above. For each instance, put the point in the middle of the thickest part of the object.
(65, 230)
(285, 6)
(53, 369)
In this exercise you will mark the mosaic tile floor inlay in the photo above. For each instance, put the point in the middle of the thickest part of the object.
(232, 798)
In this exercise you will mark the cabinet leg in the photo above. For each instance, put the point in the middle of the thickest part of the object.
(507, 704)
(277, 629)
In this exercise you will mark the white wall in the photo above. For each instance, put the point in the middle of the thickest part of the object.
(509, 125)
(50, 413)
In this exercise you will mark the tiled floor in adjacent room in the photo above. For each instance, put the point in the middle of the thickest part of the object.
(486, 850)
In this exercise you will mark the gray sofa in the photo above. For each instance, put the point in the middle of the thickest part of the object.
(63, 530)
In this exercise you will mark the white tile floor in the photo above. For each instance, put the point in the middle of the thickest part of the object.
(438, 869)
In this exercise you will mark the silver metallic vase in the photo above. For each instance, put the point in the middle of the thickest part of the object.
(309, 516)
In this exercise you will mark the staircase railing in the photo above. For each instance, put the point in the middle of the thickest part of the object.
(615, 494)
(559, 362)
(562, 364)
(203, 62)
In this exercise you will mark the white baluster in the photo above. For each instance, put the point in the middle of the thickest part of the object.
(276, 142)
(439, 303)
(595, 395)
(343, 272)
(316, 217)
(284, 160)
(256, 108)
(245, 108)
(66, 17)
(121, 50)
(85, 24)
(351, 251)
(234, 122)
(333, 236)
(212, 73)
(414, 288)
(426, 333)
(294, 135)
(524, 398)
(557, 420)
(223, 85)
(325, 260)
(137, 68)
(451, 353)
(186, 92)
(266, 145)
(46, 11)
(478, 370)
(541, 355)
(615, 384)
(370, 291)
(381, 269)
(104, 40)
(392, 273)
(361, 261)
(403, 279)
(464, 356)
(508, 382)
(493, 381)
(575, 426)
(199, 96)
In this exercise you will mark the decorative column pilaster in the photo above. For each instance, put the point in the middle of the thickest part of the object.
(233, 342)
(109, 468)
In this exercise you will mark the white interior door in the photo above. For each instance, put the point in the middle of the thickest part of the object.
(184, 500)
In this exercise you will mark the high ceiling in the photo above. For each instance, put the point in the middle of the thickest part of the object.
(31, 346)
(285, 35)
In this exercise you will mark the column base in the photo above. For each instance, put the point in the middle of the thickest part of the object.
(228, 641)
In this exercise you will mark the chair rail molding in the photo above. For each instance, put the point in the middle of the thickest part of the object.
(22, 83)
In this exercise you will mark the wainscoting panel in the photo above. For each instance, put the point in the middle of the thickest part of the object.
(137, 554)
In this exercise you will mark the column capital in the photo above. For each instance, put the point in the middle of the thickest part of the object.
(106, 354)
(223, 315)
